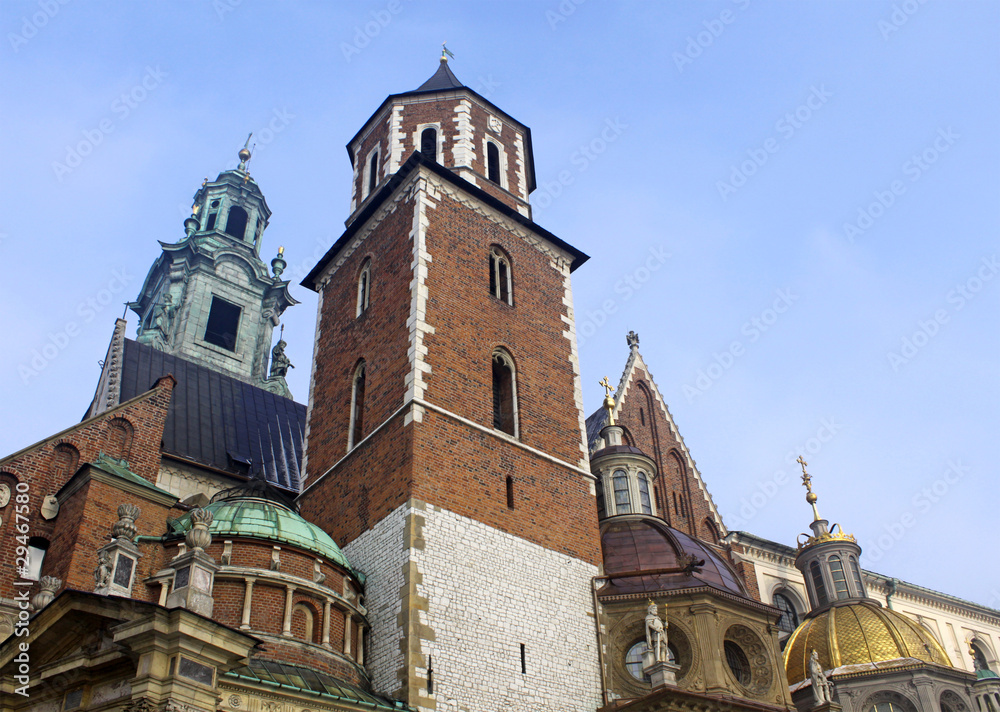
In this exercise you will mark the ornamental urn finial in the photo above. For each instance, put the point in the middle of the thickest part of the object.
(48, 585)
(125, 528)
(199, 537)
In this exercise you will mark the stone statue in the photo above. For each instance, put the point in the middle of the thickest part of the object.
(656, 634)
(279, 362)
(822, 688)
(632, 339)
(163, 315)
(102, 576)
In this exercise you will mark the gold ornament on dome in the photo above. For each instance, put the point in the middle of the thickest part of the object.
(831, 535)
(609, 402)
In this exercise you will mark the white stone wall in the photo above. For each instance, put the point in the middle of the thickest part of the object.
(487, 593)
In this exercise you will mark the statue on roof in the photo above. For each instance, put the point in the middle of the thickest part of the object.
(280, 363)
(163, 314)
(822, 688)
(632, 339)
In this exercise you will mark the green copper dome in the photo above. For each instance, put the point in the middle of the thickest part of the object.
(260, 518)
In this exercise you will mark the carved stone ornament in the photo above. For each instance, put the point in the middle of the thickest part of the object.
(495, 125)
(50, 507)
(4, 495)
(198, 537)
(235, 701)
(124, 528)
(48, 585)
(102, 574)
(139, 705)
(633, 339)
(276, 559)
(822, 688)
(318, 575)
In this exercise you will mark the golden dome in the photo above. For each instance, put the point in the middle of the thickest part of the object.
(858, 633)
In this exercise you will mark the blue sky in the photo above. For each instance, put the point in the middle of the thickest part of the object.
(793, 204)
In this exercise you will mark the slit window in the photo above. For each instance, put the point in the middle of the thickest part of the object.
(428, 143)
(223, 324)
(504, 410)
(623, 503)
(510, 492)
(524, 660)
(493, 162)
(500, 276)
(642, 416)
(236, 223)
(357, 426)
(430, 675)
(601, 509)
(644, 503)
(373, 172)
(364, 287)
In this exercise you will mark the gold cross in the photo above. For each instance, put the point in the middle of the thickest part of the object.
(607, 386)
(806, 477)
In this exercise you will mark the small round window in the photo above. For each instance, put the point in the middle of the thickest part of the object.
(635, 659)
(738, 663)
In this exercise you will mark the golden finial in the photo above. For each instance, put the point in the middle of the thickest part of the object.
(195, 208)
(204, 182)
(609, 402)
(281, 250)
(807, 483)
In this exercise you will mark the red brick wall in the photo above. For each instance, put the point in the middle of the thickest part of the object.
(679, 499)
(38, 468)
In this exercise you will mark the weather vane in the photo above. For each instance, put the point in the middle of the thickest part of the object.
(445, 52)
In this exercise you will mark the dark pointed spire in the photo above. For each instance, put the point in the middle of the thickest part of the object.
(443, 79)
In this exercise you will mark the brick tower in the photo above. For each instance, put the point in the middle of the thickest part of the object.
(445, 445)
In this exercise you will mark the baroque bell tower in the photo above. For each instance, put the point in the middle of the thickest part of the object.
(209, 297)
(445, 442)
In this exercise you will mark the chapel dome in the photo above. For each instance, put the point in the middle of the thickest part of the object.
(859, 633)
(632, 543)
(260, 518)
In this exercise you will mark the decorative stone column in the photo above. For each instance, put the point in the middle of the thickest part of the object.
(116, 561)
(195, 570)
(247, 603)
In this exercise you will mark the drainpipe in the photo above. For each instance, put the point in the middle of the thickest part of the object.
(890, 592)
(600, 643)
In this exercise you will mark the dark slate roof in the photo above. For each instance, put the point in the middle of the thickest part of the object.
(442, 80)
(595, 423)
(220, 421)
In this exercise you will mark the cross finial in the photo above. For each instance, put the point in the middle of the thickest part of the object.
(609, 402)
(806, 477)
(607, 386)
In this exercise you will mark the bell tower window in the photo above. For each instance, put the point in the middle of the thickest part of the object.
(364, 287)
(818, 585)
(504, 393)
(357, 426)
(223, 324)
(839, 579)
(371, 173)
(644, 503)
(493, 162)
(500, 277)
(428, 143)
(623, 501)
(236, 223)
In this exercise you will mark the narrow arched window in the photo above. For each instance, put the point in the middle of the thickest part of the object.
(838, 576)
(644, 503)
(493, 162)
(357, 426)
(504, 393)
(364, 287)
(65, 458)
(856, 573)
(500, 276)
(428, 143)
(817, 577)
(789, 620)
(236, 223)
(623, 501)
(119, 441)
(373, 172)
